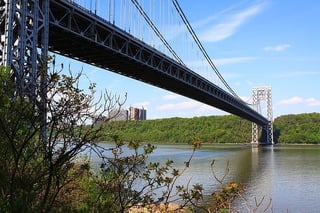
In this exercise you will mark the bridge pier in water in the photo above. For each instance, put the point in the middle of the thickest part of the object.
(263, 94)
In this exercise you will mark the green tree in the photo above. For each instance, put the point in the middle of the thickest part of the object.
(128, 179)
(45, 175)
(34, 170)
(300, 128)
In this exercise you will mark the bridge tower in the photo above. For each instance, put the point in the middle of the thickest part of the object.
(259, 94)
(24, 27)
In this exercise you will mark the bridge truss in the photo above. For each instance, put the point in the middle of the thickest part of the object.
(80, 34)
(24, 29)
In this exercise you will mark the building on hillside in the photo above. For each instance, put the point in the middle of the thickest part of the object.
(119, 115)
(123, 115)
(134, 113)
(143, 114)
(99, 120)
(137, 114)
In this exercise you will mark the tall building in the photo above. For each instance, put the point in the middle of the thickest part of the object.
(119, 115)
(134, 113)
(137, 114)
(142, 114)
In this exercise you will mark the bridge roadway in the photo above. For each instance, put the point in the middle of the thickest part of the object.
(77, 33)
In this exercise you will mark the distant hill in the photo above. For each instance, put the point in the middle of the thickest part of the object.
(300, 128)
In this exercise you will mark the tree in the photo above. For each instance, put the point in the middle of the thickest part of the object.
(128, 180)
(35, 169)
(39, 171)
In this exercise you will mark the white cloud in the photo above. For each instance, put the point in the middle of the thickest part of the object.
(298, 100)
(313, 102)
(277, 48)
(232, 60)
(171, 96)
(247, 99)
(238, 83)
(143, 104)
(230, 24)
(230, 75)
(220, 61)
(250, 83)
(293, 100)
(298, 74)
(189, 108)
(179, 106)
(204, 69)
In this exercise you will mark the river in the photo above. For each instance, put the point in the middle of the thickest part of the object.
(289, 175)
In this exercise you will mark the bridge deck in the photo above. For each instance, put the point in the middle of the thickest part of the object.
(77, 33)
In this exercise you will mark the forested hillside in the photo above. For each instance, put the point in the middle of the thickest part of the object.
(301, 128)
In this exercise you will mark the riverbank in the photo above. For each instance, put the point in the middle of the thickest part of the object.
(160, 208)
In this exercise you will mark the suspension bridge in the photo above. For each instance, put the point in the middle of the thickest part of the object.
(131, 43)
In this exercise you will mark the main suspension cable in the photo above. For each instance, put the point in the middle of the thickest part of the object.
(155, 29)
(203, 51)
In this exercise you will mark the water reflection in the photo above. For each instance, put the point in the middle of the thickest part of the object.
(287, 174)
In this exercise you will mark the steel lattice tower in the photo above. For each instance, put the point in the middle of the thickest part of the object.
(24, 26)
(259, 94)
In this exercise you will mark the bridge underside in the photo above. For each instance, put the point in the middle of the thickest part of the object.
(79, 34)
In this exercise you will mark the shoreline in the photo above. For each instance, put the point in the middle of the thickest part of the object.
(222, 144)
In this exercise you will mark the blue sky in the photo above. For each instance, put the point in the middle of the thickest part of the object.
(252, 43)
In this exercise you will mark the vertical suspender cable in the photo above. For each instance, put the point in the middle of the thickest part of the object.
(110, 11)
(114, 12)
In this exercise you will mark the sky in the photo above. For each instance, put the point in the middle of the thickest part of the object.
(252, 43)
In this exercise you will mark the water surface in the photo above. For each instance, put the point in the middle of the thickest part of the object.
(289, 175)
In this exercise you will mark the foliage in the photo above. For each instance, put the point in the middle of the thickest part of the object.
(211, 129)
(222, 199)
(298, 129)
(301, 128)
(37, 155)
(129, 182)
(40, 169)
(128, 179)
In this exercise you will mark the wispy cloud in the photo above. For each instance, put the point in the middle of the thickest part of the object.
(188, 108)
(277, 48)
(179, 106)
(178, 29)
(297, 74)
(221, 61)
(247, 99)
(171, 96)
(227, 75)
(230, 24)
(233, 60)
(143, 104)
(292, 100)
(204, 69)
(298, 100)
(313, 102)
